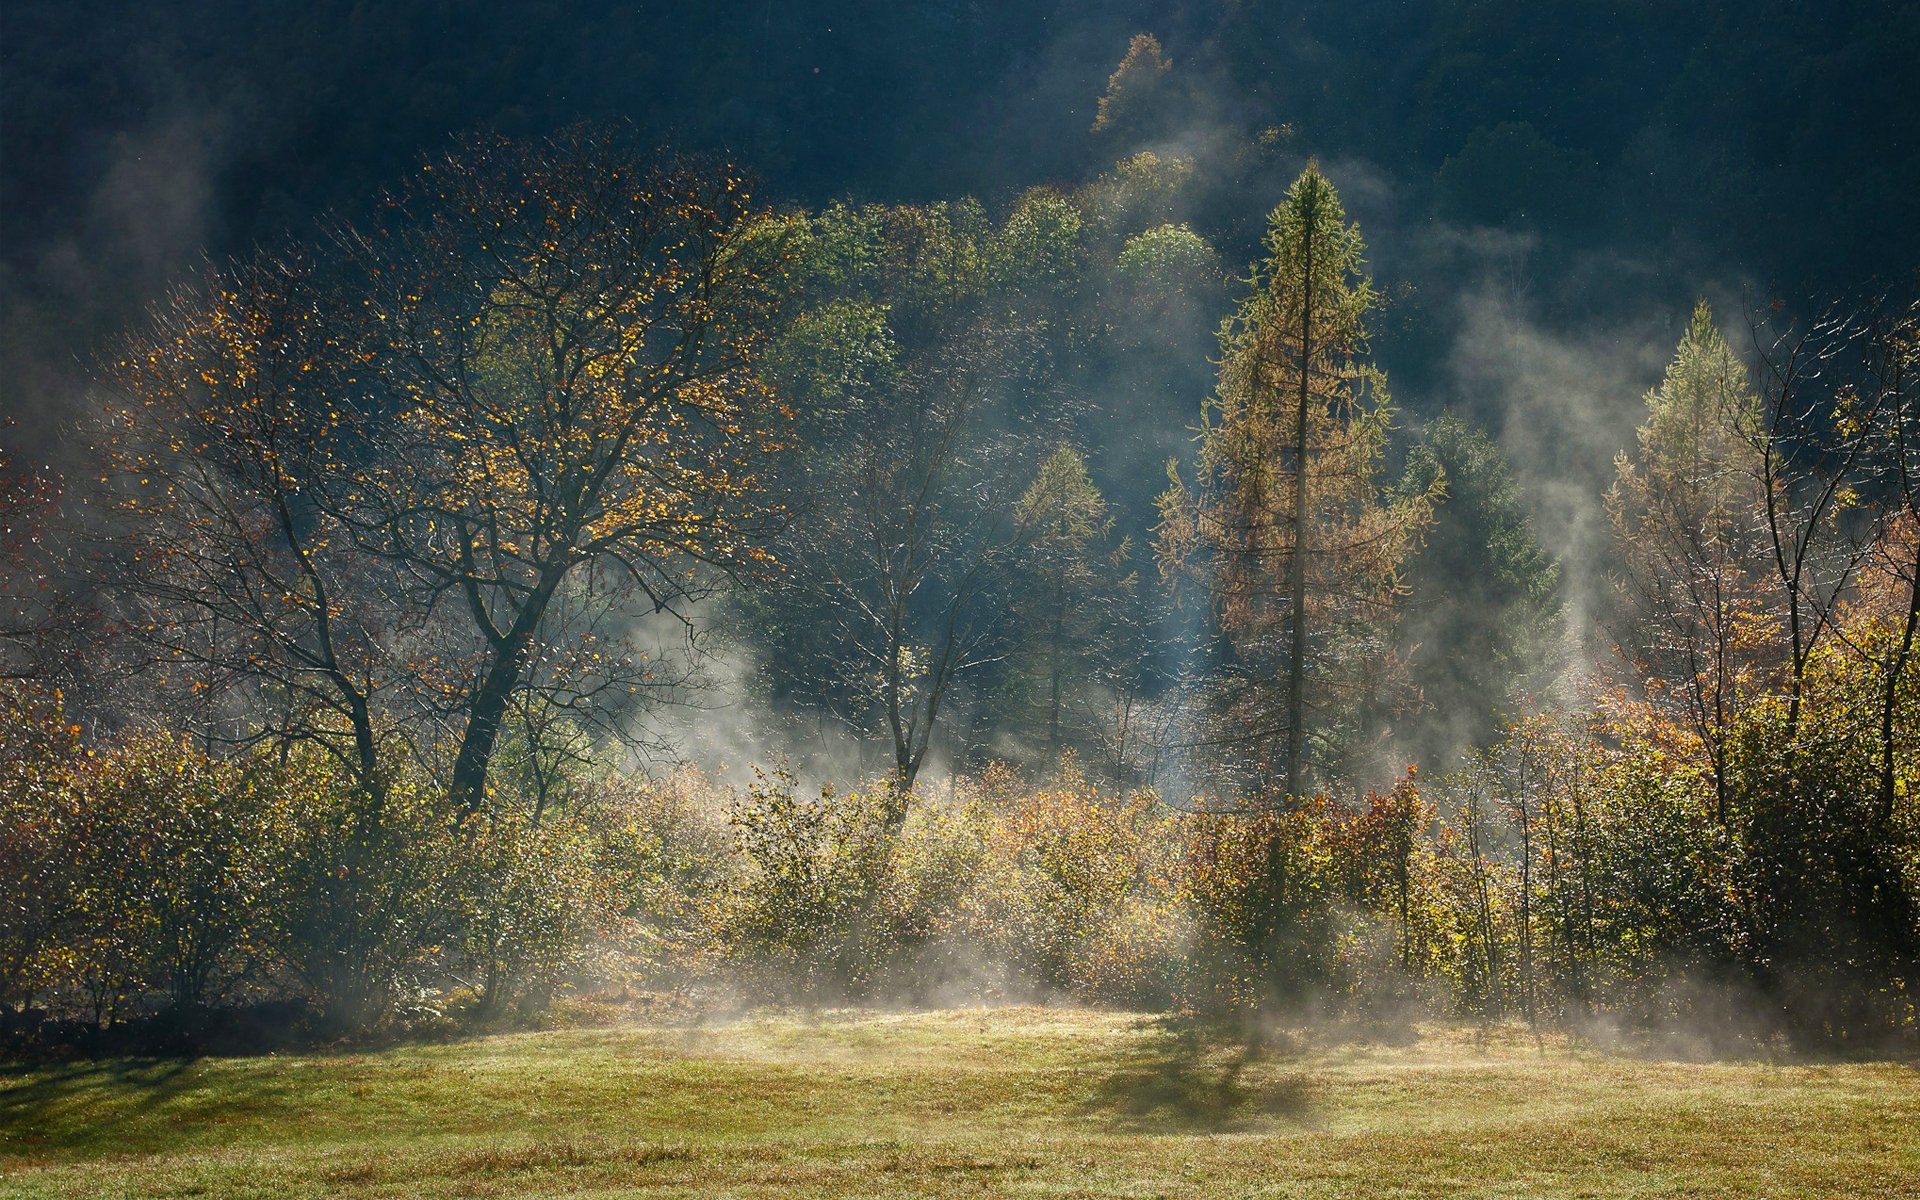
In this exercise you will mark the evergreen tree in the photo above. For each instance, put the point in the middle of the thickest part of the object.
(1285, 525)
(1482, 614)
(1076, 587)
(1691, 558)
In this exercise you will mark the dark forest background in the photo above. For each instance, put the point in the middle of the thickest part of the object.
(1650, 148)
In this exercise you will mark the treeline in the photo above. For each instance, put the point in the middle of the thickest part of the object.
(331, 680)
(1577, 874)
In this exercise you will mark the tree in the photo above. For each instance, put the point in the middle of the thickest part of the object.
(1821, 768)
(1482, 612)
(1813, 449)
(1893, 377)
(230, 456)
(566, 336)
(1853, 517)
(924, 379)
(1137, 90)
(1285, 526)
(422, 478)
(1074, 584)
(1683, 512)
(39, 753)
(1160, 302)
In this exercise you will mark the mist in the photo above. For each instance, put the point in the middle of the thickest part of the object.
(825, 504)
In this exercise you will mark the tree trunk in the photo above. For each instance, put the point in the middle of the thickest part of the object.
(1297, 562)
(1053, 700)
(1890, 700)
(487, 710)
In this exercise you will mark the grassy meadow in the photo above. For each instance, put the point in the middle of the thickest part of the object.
(963, 1102)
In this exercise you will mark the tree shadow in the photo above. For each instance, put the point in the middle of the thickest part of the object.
(111, 1103)
(1194, 1076)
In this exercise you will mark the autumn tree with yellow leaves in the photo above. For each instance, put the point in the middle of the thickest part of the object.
(439, 470)
(566, 337)
(238, 427)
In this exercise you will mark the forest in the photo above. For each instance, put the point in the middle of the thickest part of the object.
(586, 556)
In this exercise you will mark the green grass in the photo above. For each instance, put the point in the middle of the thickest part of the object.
(986, 1102)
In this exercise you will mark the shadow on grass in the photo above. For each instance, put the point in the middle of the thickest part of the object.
(117, 1104)
(1193, 1076)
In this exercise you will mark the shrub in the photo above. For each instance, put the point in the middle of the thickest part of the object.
(1072, 887)
(803, 919)
(360, 905)
(1263, 896)
(38, 804)
(665, 852)
(526, 897)
(180, 854)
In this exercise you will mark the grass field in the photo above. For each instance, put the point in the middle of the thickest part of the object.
(989, 1102)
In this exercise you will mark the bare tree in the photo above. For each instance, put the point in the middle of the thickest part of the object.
(1813, 452)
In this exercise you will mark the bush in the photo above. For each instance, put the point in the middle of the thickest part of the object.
(1580, 863)
(803, 919)
(665, 851)
(361, 906)
(1264, 897)
(180, 852)
(1077, 893)
(39, 800)
(527, 901)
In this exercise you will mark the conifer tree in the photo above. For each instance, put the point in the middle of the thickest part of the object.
(1691, 559)
(1285, 526)
(1076, 585)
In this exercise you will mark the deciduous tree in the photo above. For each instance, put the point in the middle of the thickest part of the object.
(425, 475)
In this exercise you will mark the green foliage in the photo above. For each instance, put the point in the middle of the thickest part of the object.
(38, 805)
(1040, 250)
(1829, 875)
(834, 357)
(1166, 259)
(1482, 609)
(1072, 599)
(803, 918)
(1141, 191)
(1695, 602)
(1578, 865)
(666, 850)
(1270, 914)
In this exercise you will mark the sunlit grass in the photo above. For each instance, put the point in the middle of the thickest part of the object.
(1021, 1102)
